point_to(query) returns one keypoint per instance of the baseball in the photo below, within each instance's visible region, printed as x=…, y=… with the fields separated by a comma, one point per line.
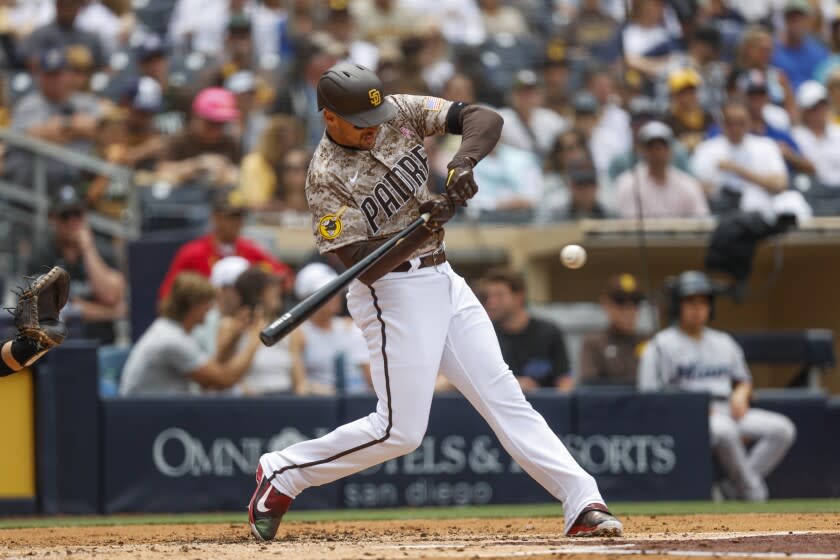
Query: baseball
x=573, y=256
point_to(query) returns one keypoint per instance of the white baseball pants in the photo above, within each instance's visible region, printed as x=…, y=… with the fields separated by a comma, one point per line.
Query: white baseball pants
x=417, y=323
x=772, y=435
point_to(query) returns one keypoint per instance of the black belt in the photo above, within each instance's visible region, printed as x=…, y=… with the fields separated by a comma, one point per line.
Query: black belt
x=436, y=258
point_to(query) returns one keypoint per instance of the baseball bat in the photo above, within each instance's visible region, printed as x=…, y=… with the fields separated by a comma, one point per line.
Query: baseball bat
x=287, y=322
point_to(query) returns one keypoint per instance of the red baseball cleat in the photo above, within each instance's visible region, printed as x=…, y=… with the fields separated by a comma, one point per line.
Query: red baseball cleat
x=596, y=521
x=267, y=508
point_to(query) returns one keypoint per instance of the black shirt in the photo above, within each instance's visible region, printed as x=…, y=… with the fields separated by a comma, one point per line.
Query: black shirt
x=538, y=351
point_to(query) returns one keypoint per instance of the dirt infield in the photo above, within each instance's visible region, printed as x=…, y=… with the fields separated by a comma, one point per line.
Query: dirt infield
x=794, y=536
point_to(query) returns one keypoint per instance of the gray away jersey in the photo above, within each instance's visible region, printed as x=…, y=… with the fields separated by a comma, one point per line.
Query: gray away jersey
x=710, y=365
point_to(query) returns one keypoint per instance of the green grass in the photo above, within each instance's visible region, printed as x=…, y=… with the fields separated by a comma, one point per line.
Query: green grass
x=535, y=510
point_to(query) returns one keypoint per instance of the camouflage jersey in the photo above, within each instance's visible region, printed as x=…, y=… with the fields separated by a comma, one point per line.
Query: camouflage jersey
x=359, y=195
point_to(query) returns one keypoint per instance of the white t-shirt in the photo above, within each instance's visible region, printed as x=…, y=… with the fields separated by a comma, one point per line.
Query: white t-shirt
x=270, y=370
x=341, y=347
x=755, y=153
x=545, y=126
x=823, y=151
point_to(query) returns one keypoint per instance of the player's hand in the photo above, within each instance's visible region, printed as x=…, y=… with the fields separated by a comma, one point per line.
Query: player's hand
x=739, y=405
x=441, y=210
x=460, y=183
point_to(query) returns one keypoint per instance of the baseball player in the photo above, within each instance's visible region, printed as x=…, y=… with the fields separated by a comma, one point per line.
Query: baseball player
x=690, y=356
x=367, y=181
x=37, y=321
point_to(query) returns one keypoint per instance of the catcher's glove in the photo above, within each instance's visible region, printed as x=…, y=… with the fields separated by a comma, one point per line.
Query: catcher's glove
x=38, y=307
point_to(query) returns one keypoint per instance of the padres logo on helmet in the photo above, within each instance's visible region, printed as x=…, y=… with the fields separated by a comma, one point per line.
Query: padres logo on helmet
x=375, y=97
x=329, y=226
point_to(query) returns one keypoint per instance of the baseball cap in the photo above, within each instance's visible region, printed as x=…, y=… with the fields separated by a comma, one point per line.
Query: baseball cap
x=526, y=79
x=798, y=6
x=708, y=34
x=229, y=201
x=312, y=278
x=52, y=59
x=152, y=46
x=145, y=95
x=752, y=82
x=624, y=287
x=585, y=103
x=556, y=53
x=239, y=23
x=241, y=82
x=225, y=272
x=216, y=105
x=354, y=93
x=66, y=199
x=683, y=78
x=641, y=107
x=655, y=130
x=810, y=94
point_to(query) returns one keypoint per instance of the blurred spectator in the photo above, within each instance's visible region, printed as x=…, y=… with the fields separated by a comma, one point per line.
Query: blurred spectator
x=152, y=57
x=199, y=25
x=263, y=172
x=224, y=240
x=650, y=38
x=690, y=356
x=833, y=85
x=769, y=120
x=662, y=190
x=642, y=111
x=704, y=57
x=223, y=276
x=63, y=33
x=604, y=144
x=798, y=54
x=275, y=369
x=299, y=97
x=612, y=356
x=557, y=76
x=613, y=118
x=755, y=53
x=510, y=179
x=382, y=21
x=166, y=360
x=719, y=15
x=818, y=138
x=335, y=353
x=270, y=21
x=55, y=113
x=112, y=21
x=238, y=53
x=205, y=151
x=583, y=190
x=253, y=119
x=80, y=67
x=739, y=169
x=569, y=148
x=97, y=287
x=533, y=348
x=686, y=116
x=339, y=25
x=528, y=124
x=595, y=32
x=460, y=20
x=499, y=18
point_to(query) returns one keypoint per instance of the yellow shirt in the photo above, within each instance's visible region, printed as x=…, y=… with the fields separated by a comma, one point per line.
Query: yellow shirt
x=257, y=181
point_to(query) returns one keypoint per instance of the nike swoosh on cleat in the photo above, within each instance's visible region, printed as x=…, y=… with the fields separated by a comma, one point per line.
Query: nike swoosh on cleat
x=261, y=503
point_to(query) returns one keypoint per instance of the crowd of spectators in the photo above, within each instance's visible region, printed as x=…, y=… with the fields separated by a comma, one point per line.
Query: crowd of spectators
x=221, y=93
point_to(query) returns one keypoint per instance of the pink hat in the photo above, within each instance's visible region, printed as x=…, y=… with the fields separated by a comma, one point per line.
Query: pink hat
x=216, y=105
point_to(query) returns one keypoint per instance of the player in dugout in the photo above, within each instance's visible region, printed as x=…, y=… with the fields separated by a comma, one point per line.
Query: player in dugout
x=36, y=314
x=690, y=356
x=368, y=181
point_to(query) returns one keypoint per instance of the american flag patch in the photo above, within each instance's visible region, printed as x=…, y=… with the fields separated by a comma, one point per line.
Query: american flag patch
x=433, y=103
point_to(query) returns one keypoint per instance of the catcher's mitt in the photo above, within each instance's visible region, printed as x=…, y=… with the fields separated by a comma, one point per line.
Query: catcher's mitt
x=38, y=307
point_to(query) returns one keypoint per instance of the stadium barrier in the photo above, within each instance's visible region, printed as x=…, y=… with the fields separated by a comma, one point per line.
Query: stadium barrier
x=200, y=453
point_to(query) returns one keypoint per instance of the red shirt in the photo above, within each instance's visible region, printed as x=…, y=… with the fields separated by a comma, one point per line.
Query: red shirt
x=199, y=255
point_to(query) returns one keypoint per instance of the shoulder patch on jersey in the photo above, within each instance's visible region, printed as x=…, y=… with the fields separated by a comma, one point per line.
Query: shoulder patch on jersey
x=433, y=103
x=330, y=226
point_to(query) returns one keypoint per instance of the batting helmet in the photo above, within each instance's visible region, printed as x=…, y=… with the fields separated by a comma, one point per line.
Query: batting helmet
x=354, y=93
x=690, y=283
